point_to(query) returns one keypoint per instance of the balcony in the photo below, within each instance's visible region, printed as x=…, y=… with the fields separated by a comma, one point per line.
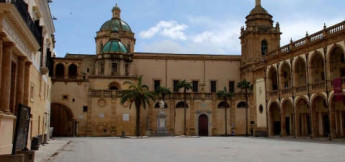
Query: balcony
x=22, y=8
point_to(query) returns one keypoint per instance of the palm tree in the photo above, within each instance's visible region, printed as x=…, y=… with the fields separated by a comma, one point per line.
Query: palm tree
x=244, y=85
x=186, y=86
x=225, y=96
x=162, y=92
x=140, y=95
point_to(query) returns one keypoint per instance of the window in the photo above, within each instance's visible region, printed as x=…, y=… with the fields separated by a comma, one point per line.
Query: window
x=60, y=70
x=85, y=108
x=126, y=69
x=156, y=84
x=72, y=71
x=65, y=97
x=114, y=86
x=181, y=104
x=128, y=48
x=261, y=109
x=87, y=70
x=175, y=85
x=114, y=69
x=213, y=86
x=264, y=47
x=32, y=93
x=242, y=105
x=195, y=86
x=101, y=68
x=342, y=72
x=232, y=86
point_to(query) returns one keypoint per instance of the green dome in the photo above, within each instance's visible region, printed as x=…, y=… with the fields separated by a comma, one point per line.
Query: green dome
x=114, y=46
x=115, y=25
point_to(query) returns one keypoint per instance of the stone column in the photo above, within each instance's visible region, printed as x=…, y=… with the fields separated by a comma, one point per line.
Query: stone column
x=21, y=80
x=6, y=77
x=27, y=83
x=1, y=52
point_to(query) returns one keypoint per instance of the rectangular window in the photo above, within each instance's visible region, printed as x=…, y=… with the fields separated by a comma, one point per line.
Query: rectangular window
x=175, y=85
x=232, y=86
x=213, y=86
x=32, y=93
x=343, y=72
x=156, y=84
x=195, y=86
x=85, y=108
x=101, y=69
x=114, y=69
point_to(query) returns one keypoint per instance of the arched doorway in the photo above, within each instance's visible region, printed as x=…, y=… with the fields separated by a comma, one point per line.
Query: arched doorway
x=275, y=121
x=302, y=118
x=62, y=120
x=203, y=125
x=338, y=116
x=320, y=118
x=287, y=118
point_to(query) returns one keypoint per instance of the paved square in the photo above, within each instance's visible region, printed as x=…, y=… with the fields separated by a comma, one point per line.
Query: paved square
x=207, y=149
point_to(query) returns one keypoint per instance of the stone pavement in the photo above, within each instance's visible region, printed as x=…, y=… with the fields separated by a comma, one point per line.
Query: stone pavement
x=204, y=149
x=48, y=151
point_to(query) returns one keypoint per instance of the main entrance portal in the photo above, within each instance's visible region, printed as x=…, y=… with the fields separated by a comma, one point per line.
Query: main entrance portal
x=203, y=125
x=62, y=120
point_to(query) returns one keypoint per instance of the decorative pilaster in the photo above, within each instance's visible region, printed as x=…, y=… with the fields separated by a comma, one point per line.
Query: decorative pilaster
x=27, y=83
x=6, y=77
x=20, y=80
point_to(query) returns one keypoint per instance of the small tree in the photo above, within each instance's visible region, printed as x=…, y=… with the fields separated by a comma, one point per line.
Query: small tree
x=186, y=86
x=162, y=92
x=225, y=96
x=140, y=95
x=245, y=86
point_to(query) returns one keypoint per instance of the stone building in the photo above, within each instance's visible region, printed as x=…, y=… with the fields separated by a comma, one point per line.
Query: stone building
x=26, y=48
x=284, y=101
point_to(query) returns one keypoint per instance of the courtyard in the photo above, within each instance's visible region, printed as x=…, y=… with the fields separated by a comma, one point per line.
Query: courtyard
x=195, y=149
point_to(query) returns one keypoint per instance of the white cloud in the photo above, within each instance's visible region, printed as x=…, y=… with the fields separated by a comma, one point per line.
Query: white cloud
x=170, y=29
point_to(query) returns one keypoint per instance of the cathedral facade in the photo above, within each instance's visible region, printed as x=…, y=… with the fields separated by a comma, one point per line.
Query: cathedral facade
x=292, y=92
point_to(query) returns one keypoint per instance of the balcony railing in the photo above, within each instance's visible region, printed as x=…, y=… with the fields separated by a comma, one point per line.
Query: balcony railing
x=22, y=8
x=273, y=93
x=318, y=85
x=327, y=32
x=301, y=89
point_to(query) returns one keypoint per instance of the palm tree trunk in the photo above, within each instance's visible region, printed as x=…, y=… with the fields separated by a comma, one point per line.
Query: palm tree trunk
x=137, y=122
x=185, y=112
x=247, y=106
x=226, y=119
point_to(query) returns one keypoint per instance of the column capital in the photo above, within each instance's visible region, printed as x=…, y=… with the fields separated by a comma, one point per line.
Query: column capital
x=9, y=44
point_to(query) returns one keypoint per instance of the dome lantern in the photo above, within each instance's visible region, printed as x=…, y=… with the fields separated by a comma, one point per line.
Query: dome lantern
x=116, y=12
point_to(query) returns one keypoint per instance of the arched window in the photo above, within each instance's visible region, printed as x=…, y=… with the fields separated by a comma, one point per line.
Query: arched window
x=242, y=105
x=114, y=86
x=261, y=109
x=223, y=105
x=264, y=47
x=72, y=71
x=157, y=105
x=60, y=70
x=181, y=104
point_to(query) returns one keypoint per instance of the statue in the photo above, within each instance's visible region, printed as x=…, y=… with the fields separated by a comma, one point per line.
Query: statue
x=161, y=120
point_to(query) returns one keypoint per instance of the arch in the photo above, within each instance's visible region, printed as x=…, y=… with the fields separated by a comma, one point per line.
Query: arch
x=287, y=118
x=275, y=119
x=242, y=104
x=320, y=117
x=203, y=125
x=62, y=120
x=182, y=104
x=272, y=79
x=316, y=67
x=60, y=70
x=72, y=71
x=285, y=75
x=303, y=124
x=264, y=47
x=338, y=116
x=114, y=86
x=223, y=105
x=300, y=72
x=336, y=62
x=157, y=105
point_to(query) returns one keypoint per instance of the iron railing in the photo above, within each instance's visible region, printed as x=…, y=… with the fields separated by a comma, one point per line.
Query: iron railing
x=22, y=8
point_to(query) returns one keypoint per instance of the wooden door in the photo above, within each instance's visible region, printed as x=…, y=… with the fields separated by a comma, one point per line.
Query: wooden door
x=203, y=125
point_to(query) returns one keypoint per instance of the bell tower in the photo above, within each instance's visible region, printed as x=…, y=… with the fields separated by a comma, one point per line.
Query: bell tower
x=259, y=36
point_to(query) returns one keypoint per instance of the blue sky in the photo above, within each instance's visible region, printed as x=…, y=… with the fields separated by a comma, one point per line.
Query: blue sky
x=186, y=26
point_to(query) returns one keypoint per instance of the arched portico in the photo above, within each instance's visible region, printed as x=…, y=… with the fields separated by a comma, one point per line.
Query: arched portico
x=274, y=119
x=320, y=117
x=302, y=118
